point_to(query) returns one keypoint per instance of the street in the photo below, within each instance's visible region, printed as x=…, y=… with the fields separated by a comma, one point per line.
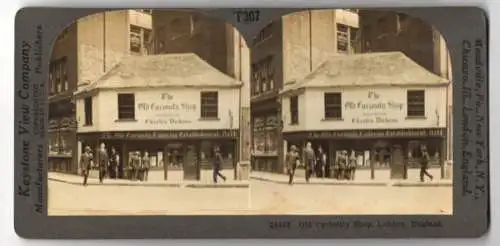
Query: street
x=261, y=198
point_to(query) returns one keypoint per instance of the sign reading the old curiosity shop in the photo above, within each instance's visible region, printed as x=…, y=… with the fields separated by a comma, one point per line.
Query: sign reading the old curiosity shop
x=167, y=110
x=374, y=109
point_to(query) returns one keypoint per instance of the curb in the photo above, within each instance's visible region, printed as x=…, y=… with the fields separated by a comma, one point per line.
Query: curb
x=422, y=184
x=180, y=185
x=375, y=183
x=317, y=183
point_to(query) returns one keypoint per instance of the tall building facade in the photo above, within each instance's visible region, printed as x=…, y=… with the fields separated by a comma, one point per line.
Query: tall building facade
x=284, y=51
x=193, y=32
x=215, y=41
x=83, y=52
x=385, y=31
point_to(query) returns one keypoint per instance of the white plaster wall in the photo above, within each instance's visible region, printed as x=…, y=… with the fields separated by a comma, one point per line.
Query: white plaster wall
x=106, y=113
x=286, y=115
x=80, y=115
x=313, y=111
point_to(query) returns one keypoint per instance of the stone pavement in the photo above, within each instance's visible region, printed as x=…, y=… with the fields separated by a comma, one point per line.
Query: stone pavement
x=77, y=180
x=363, y=178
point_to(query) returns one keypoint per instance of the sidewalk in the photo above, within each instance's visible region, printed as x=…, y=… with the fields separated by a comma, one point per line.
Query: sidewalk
x=363, y=178
x=77, y=180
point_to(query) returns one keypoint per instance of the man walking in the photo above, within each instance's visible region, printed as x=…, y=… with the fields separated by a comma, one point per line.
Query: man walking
x=310, y=159
x=424, y=164
x=217, y=166
x=321, y=163
x=85, y=163
x=292, y=159
x=135, y=164
x=145, y=166
x=103, y=162
x=113, y=164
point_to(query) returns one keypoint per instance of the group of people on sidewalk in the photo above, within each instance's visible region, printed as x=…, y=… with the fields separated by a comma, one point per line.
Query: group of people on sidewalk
x=109, y=165
x=344, y=166
x=316, y=164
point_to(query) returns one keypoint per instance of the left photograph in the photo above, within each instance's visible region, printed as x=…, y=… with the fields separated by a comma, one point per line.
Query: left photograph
x=142, y=104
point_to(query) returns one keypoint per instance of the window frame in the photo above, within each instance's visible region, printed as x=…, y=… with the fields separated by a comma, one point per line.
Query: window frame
x=209, y=111
x=88, y=111
x=122, y=116
x=410, y=112
x=336, y=114
x=294, y=110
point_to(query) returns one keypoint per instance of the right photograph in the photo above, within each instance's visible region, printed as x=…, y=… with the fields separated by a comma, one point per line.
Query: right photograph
x=351, y=114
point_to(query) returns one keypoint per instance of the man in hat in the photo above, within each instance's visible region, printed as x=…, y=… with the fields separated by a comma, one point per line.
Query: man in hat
x=292, y=159
x=113, y=164
x=85, y=163
x=424, y=164
x=145, y=165
x=310, y=160
x=217, y=165
x=103, y=162
x=136, y=166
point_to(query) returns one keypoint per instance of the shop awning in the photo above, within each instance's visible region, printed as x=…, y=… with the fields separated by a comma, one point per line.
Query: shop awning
x=367, y=69
x=166, y=70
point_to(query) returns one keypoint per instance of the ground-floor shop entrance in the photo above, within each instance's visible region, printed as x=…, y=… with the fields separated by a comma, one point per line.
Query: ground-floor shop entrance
x=176, y=154
x=397, y=150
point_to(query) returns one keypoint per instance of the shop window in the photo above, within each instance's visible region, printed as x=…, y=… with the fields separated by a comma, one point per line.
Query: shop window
x=294, y=110
x=227, y=150
x=126, y=106
x=175, y=155
x=259, y=137
x=209, y=104
x=61, y=143
x=342, y=38
x=88, y=110
x=333, y=105
x=416, y=103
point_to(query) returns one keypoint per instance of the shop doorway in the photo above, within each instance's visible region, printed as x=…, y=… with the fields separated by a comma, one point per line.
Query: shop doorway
x=397, y=165
x=191, y=163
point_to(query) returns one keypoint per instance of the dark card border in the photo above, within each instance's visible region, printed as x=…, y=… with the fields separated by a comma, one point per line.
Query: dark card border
x=458, y=25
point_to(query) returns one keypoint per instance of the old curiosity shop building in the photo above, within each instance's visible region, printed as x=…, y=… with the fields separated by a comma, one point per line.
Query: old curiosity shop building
x=176, y=107
x=382, y=106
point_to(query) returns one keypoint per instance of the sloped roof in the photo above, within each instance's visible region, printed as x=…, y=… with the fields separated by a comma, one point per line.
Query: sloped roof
x=175, y=70
x=367, y=69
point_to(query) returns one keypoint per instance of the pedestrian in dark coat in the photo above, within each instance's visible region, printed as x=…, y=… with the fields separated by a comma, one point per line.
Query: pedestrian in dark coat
x=86, y=163
x=135, y=166
x=145, y=166
x=342, y=165
x=424, y=164
x=321, y=163
x=310, y=161
x=292, y=159
x=113, y=164
x=103, y=162
x=217, y=164
x=352, y=165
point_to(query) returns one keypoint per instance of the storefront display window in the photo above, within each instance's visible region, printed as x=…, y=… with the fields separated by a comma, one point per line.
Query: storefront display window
x=175, y=155
x=265, y=135
x=207, y=153
x=60, y=144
